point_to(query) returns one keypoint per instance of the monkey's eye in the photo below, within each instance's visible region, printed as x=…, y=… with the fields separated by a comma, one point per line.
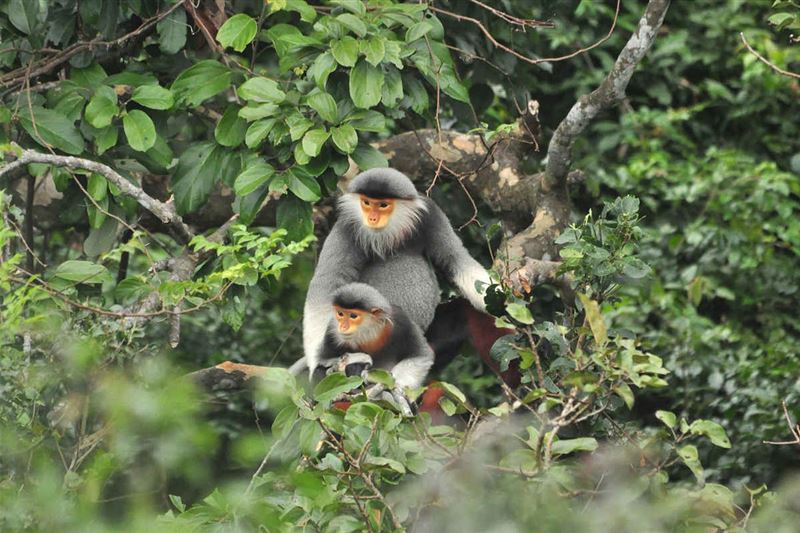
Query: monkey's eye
x=353, y=316
x=366, y=202
x=384, y=205
x=340, y=314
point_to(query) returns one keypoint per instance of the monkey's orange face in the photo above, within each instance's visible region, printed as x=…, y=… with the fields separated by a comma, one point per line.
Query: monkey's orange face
x=376, y=212
x=349, y=320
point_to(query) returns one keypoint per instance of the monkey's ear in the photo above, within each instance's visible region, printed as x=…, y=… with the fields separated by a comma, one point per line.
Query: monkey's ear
x=377, y=312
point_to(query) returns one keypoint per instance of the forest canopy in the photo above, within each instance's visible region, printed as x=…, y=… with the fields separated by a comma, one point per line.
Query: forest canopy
x=629, y=173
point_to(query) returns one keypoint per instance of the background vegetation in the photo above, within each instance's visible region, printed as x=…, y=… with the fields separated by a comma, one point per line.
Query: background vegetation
x=649, y=390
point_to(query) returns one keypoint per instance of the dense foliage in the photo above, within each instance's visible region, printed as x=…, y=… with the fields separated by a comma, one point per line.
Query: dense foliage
x=649, y=384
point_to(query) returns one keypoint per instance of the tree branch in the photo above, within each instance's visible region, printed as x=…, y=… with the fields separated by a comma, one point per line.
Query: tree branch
x=610, y=91
x=164, y=211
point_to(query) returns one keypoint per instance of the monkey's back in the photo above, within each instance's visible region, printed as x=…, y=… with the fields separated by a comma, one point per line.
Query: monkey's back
x=408, y=281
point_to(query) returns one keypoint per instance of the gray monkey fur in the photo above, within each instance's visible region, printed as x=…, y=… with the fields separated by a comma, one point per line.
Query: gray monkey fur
x=406, y=353
x=398, y=260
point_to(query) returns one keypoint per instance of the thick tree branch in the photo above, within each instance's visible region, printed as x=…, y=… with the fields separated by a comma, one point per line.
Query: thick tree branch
x=164, y=211
x=610, y=91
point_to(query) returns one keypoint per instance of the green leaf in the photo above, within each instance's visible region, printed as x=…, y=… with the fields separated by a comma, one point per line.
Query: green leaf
x=258, y=111
x=253, y=177
x=172, y=32
x=335, y=384
x=237, y=32
x=51, y=129
x=262, y=90
x=366, y=85
x=324, y=104
x=374, y=50
x=313, y=141
x=102, y=239
x=345, y=138
x=294, y=215
x=418, y=31
x=667, y=417
x=595, y=319
x=102, y=108
x=689, y=456
x=82, y=272
x=153, y=96
x=201, y=81
x=231, y=129
x=367, y=157
x=139, y=130
x=565, y=446
x=392, y=87
x=624, y=391
x=353, y=23
x=258, y=131
x=353, y=6
x=368, y=120
x=249, y=205
x=712, y=430
x=97, y=187
x=379, y=375
x=304, y=186
x=321, y=68
x=345, y=51
x=520, y=313
x=23, y=14
x=199, y=168
x=105, y=139
x=298, y=126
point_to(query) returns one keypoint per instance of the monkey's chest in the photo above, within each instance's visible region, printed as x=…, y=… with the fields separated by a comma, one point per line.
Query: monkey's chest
x=408, y=281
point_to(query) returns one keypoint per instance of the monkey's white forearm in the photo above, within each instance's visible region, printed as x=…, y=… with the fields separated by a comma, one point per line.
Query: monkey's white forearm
x=411, y=372
x=465, y=279
x=315, y=324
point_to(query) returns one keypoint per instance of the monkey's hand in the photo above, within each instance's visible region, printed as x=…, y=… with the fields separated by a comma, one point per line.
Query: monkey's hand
x=353, y=364
x=394, y=395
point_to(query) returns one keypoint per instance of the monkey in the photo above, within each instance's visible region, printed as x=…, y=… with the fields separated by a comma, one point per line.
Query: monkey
x=390, y=237
x=363, y=322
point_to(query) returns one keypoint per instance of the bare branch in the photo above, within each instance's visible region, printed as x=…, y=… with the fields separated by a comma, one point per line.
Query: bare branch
x=164, y=211
x=766, y=61
x=610, y=91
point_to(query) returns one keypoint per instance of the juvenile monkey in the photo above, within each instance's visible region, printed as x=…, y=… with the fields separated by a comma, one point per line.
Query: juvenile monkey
x=364, y=322
x=390, y=237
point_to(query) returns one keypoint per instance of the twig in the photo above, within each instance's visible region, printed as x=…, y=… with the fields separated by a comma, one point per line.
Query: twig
x=46, y=65
x=530, y=60
x=767, y=62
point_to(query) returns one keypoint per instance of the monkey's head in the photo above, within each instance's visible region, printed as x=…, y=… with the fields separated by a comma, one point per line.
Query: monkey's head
x=385, y=208
x=361, y=313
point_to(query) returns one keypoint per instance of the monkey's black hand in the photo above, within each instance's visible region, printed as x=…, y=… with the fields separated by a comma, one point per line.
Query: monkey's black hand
x=354, y=364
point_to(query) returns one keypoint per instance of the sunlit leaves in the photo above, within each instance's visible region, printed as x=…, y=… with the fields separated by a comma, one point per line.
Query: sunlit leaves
x=345, y=51
x=253, y=177
x=153, y=96
x=237, y=32
x=345, y=138
x=261, y=90
x=324, y=104
x=366, y=85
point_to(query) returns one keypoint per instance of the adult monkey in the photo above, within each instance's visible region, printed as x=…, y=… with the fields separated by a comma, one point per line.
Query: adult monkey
x=389, y=236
